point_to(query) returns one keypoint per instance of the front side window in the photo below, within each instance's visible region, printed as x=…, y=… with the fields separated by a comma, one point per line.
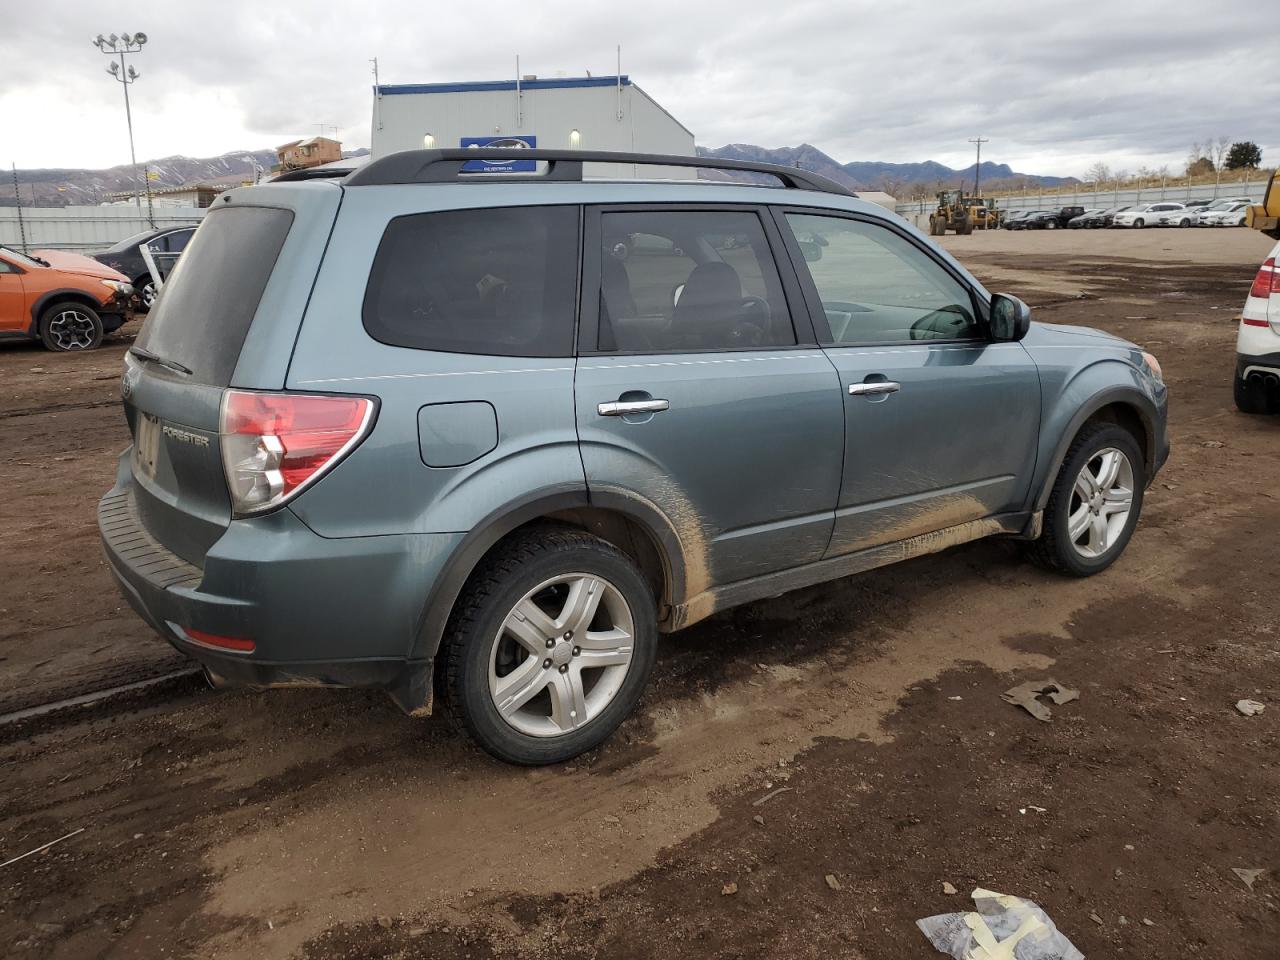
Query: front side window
x=875, y=286
x=689, y=280
x=490, y=281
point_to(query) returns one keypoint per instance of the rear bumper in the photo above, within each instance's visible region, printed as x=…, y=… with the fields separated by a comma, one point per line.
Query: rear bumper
x=1262, y=364
x=321, y=612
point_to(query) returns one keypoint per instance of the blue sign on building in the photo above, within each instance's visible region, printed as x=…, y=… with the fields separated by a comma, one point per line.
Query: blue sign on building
x=501, y=166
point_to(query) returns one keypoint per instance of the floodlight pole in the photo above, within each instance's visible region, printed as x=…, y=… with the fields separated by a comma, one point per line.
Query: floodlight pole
x=119, y=46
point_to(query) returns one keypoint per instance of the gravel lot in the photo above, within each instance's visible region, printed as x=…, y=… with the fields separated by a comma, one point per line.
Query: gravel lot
x=324, y=824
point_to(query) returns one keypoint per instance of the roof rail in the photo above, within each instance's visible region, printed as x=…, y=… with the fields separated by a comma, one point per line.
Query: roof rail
x=324, y=172
x=446, y=166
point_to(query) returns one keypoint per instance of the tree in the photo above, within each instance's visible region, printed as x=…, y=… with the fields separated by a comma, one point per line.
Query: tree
x=1244, y=153
x=1199, y=167
x=1218, y=151
x=1098, y=173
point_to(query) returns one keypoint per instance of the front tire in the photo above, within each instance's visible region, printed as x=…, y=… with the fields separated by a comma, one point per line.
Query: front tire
x=68, y=326
x=147, y=292
x=1139, y=223
x=549, y=647
x=1095, y=503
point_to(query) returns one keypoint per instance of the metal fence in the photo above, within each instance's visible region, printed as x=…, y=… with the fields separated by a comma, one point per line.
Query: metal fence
x=84, y=228
x=917, y=211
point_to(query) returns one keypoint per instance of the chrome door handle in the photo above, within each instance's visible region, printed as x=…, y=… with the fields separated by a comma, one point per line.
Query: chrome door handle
x=871, y=389
x=620, y=408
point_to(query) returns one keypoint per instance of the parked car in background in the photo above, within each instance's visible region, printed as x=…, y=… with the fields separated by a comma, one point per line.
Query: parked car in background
x=1257, y=380
x=64, y=300
x=1218, y=206
x=1144, y=215
x=1080, y=221
x=1051, y=219
x=1186, y=217
x=126, y=257
x=1026, y=220
x=1101, y=218
x=1013, y=218
x=479, y=447
x=1232, y=216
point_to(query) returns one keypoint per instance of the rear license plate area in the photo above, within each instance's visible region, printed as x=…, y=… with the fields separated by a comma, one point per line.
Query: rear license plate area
x=146, y=446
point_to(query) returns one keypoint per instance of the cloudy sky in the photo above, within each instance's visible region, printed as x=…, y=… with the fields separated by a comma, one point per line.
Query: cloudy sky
x=1055, y=86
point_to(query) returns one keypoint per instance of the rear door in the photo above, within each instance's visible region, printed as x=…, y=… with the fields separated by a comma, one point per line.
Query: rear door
x=940, y=423
x=700, y=388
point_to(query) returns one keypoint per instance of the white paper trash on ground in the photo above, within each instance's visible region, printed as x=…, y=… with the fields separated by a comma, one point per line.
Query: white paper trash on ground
x=1000, y=927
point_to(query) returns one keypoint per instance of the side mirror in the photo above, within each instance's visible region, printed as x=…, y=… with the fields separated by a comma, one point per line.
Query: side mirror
x=810, y=250
x=1010, y=318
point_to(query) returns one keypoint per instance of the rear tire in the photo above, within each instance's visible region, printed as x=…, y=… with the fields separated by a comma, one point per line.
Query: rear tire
x=555, y=626
x=1252, y=398
x=1084, y=530
x=1051, y=225
x=69, y=326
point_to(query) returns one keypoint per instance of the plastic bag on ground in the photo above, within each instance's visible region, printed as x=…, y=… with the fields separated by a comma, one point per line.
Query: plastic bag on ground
x=1000, y=927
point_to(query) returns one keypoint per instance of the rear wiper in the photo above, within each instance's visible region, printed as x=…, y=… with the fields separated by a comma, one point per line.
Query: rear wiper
x=171, y=364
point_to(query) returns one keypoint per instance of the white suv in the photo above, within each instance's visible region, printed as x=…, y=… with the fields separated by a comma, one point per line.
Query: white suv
x=1145, y=215
x=1257, y=381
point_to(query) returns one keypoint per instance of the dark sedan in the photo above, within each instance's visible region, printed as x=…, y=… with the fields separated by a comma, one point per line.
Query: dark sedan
x=1101, y=218
x=126, y=256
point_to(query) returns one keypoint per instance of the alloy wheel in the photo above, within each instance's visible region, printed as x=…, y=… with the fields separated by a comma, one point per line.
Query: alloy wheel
x=1101, y=501
x=72, y=330
x=148, y=293
x=561, y=655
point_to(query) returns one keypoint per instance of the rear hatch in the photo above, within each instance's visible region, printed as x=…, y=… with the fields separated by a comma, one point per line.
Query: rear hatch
x=227, y=316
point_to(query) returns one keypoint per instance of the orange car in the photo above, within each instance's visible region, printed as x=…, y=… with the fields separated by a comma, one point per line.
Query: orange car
x=64, y=300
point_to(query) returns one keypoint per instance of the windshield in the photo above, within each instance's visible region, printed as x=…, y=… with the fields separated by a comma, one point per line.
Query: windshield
x=22, y=259
x=204, y=311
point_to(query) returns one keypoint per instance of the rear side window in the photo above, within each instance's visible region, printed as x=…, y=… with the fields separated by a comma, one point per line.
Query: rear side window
x=209, y=300
x=500, y=282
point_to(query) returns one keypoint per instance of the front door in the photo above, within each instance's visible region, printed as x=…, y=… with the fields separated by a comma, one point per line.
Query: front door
x=698, y=391
x=940, y=423
x=13, y=312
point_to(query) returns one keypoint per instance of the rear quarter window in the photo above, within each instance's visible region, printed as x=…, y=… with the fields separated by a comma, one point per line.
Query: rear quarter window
x=499, y=281
x=208, y=302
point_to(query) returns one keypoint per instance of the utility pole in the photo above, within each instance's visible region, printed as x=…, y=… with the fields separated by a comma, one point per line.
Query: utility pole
x=22, y=230
x=977, y=169
x=119, y=46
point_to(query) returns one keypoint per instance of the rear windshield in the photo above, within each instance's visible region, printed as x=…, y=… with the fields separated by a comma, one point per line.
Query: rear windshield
x=209, y=300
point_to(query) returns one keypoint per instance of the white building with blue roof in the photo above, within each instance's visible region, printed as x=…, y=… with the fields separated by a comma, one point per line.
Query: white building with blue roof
x=584, y=113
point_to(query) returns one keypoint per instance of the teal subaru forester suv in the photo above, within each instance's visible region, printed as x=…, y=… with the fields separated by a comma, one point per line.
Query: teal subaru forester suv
x=479, y=438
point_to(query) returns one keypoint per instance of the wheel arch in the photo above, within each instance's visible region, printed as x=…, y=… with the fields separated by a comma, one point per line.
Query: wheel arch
x=50, y=297
x=633, y=525
x=1124, y=406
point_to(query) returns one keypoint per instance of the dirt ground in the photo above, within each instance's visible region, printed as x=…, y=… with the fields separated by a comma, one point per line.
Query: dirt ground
x=853, y=730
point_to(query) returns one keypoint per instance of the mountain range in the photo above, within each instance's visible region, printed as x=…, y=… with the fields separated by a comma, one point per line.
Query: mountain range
x=875, y=175
x=62, y=186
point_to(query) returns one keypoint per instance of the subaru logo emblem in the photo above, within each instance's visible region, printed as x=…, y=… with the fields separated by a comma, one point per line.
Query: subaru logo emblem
x=129, y=381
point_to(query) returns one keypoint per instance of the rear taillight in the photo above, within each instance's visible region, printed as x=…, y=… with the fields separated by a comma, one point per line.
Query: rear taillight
x=1267, y=282
x=275, y=444
x=238, y=644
